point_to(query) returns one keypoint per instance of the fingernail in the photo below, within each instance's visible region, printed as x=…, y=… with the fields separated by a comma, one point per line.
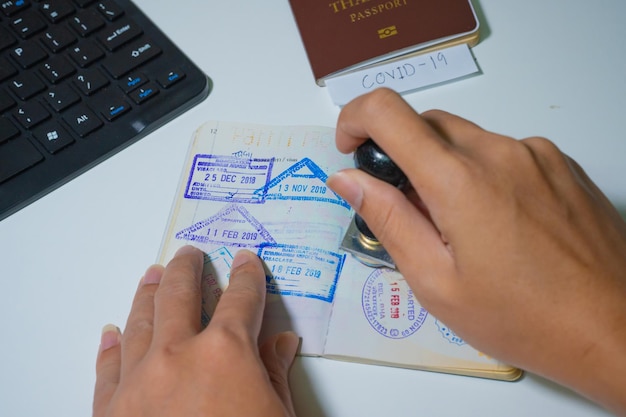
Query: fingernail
x=185, y=250
x=349, y=189
x=153, y=275
x=287, y=346
x=110, y=337
x=242, y=257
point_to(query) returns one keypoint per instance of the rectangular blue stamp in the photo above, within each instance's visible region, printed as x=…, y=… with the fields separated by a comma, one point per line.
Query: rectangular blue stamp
x=302, y=271
x=229, y=178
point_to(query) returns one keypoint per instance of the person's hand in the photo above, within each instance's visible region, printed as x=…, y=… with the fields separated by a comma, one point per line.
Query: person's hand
x=506, y=241
x=164, y=364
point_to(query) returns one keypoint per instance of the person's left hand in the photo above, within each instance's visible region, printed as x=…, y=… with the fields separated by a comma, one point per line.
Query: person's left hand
x=164, y=364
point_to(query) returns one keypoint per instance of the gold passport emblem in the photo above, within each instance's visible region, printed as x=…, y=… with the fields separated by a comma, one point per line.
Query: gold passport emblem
x=387, y=32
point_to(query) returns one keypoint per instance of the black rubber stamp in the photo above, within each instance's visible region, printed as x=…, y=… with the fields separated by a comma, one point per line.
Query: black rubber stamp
x=359, y=239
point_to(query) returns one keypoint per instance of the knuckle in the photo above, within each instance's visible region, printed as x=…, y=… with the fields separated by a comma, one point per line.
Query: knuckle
x=229, y=335
x=251, y=273
x=185, y=266
x=145, y=295
x=541, y=145
x=278, y=378
x=377, y=100
x=108, y=362
x=179, y=289
x=544, y=152
x=435, y=114
x=244, y=292
x=138, y=326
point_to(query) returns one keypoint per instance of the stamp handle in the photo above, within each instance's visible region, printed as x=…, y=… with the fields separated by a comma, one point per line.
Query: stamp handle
x=370, y=158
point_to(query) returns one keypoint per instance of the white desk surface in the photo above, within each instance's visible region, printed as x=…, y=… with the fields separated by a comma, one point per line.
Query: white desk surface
x=71, y=261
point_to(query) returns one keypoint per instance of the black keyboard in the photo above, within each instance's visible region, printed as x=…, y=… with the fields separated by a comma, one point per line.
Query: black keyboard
x=79, y=81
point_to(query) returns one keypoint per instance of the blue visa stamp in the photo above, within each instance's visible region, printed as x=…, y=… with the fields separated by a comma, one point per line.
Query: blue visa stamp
x=228, y=178
x=449, y=334
x=390, y=306
x=303, y=181
x=301, y=271
x=234, y=225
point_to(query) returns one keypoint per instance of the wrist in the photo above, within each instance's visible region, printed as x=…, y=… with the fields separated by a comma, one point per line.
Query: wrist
x=595, y=364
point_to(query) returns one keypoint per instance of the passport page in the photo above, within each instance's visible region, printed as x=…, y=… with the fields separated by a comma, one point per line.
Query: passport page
x=377, y=319
x=263, y=188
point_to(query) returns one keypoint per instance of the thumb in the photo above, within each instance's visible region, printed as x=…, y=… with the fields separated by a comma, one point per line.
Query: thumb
x=402, y=226
x=397, y=222
x=277, y=354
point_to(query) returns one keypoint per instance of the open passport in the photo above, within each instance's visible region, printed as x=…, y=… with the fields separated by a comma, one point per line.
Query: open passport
x=263, y=188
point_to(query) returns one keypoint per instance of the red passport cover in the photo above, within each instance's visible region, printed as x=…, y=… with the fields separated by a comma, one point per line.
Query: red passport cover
x=339, y=35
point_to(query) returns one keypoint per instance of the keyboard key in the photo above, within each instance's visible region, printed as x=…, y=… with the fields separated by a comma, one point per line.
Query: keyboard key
x=86, y=22
x=132, y=81
x=61, y=97
x=57, y=69
x=27, y=24
x=82, y=120
x=85, y=54
x=30, y=114
x=28, y=54
x=56, y=10
x=10, y=7
x=169, y=78
x=111, y=105
x=16, y=156
x=117, y=35
x=52, y=136
x=109, y=9
x=144, y=93
x=26, y=85
x=58, y=38
x=7, y=129
x=131, y=57
x=90, y=81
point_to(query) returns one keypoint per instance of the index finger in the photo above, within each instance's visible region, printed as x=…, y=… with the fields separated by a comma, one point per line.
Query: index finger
x=389, y=120
x=240, y=308
x=420, y=150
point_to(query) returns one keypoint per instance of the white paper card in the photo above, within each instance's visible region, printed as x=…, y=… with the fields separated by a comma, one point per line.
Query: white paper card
x=417, y=71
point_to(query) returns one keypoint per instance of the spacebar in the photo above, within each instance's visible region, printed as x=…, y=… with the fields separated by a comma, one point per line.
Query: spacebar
x=16, y=156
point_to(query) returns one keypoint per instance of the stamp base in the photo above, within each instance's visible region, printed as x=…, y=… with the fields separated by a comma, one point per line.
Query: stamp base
x=374, y=256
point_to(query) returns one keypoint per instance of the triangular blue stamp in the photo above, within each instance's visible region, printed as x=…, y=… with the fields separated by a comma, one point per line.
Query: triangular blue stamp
x=231, y=226
x=303, y=181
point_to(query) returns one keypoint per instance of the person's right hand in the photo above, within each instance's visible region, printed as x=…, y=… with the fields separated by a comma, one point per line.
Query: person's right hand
x=506, y=241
